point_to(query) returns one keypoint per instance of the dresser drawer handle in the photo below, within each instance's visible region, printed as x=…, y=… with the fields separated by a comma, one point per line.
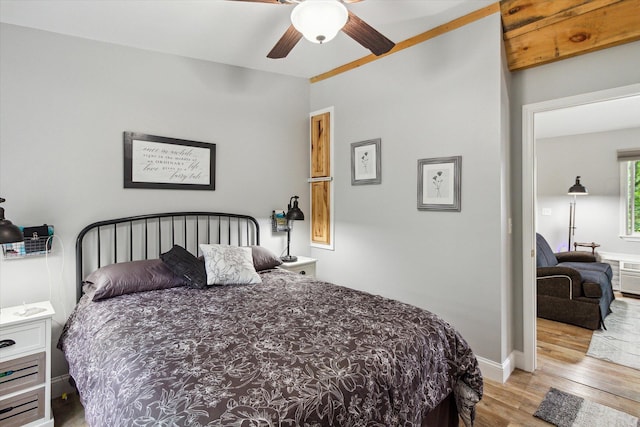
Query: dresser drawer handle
x=6, y=343
x=11, y=408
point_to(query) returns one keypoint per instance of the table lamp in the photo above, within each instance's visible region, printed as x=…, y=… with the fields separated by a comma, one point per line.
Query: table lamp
x=9, y=233
x=293, y=214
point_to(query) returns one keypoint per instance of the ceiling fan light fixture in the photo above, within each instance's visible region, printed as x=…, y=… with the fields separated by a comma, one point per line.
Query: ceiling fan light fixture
x=319, y=20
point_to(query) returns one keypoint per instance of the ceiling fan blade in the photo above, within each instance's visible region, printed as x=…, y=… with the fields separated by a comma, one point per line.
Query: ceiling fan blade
x=288, y=40
x=351, y=1
x=367, y=36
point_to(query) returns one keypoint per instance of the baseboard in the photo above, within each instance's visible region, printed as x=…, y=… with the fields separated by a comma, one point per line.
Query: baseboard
x=498, y=372
x=60, y=385
x=518, y=357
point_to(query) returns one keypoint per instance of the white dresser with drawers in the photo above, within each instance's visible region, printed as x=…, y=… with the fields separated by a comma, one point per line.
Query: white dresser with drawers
x=25, y=365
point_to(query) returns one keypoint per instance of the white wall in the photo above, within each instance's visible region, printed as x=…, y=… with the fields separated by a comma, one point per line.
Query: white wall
x=600, y=70
x=440, y=98
x=65, y=103
x=594, y=158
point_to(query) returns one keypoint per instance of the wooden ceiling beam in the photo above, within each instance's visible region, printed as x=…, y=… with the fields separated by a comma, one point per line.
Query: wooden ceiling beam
x=538, y=32
x=520, y=20
x=519, y=13
x=545, y=31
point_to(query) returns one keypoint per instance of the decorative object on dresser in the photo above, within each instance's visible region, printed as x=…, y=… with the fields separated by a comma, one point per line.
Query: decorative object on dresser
x=366, y=163
x=168, y=163
x=439, y=184
x=9, y=233
x=25, y=365
x=304, y=265
x=575, y=190
x=293, y=214
x=572, y=287
x=37, y=241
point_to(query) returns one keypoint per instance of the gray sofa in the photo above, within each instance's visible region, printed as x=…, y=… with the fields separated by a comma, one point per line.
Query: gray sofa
x=572, y=287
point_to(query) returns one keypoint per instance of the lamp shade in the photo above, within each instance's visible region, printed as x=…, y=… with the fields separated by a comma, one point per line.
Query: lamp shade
x=9, y=233
x=578, y=189
x=294, y=213
x=319, y=20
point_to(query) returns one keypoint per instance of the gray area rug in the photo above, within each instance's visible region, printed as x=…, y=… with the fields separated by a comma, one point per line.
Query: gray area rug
x=620, y=342
x=566, y=410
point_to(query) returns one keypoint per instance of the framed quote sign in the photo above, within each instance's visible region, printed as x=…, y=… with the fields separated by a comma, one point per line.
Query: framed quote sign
x=168, y=163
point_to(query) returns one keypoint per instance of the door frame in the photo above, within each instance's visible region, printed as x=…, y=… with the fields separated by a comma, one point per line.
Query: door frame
x=529, y=202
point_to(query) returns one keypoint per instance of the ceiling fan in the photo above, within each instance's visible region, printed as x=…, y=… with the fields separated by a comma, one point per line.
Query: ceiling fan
x=320, y=20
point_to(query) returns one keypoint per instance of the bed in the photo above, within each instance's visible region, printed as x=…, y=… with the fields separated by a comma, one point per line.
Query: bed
x=288, y=350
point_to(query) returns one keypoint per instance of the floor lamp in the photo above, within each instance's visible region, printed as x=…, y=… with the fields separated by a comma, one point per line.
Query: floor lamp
x=576, y=189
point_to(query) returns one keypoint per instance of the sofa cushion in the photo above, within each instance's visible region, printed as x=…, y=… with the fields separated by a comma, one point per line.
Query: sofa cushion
x=559, y=281
x=591, y=290
x=575, y=256
x=600, y=267
x=544, y=255
x=600, y=273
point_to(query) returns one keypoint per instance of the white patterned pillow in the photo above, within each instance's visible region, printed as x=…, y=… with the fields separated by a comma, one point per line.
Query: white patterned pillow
x=229, y=265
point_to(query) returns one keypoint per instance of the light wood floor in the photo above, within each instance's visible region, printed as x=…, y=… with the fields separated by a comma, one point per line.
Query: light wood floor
x=562, y=363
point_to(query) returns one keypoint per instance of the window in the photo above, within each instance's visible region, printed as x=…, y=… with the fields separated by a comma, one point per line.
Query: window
x=632, y=197
x=630, y=192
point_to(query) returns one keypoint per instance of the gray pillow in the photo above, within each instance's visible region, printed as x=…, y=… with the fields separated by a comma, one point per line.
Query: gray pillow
x=130, y=277
x=229, y=265
x=263, y=258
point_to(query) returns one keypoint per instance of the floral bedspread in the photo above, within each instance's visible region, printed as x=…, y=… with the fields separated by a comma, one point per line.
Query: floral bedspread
x=292, y=351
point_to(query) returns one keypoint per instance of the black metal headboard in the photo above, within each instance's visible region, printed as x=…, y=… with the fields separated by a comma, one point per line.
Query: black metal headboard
x=148, y=236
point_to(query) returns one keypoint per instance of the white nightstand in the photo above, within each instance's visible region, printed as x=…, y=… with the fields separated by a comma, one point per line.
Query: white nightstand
x=25, y=366
x=303, y=265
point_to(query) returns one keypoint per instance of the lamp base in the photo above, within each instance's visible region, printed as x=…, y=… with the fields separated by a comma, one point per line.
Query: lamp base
x=289, y=258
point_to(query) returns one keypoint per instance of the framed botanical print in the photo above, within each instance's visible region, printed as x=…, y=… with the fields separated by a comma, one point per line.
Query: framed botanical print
x=365, y=162
x=439, y=184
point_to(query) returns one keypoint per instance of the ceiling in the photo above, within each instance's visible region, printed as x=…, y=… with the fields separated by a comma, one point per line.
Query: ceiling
x=603, y=116
x=241, y=33
x=229, y=32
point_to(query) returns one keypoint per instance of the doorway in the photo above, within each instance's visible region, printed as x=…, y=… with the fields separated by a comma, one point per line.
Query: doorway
x=529, y=135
